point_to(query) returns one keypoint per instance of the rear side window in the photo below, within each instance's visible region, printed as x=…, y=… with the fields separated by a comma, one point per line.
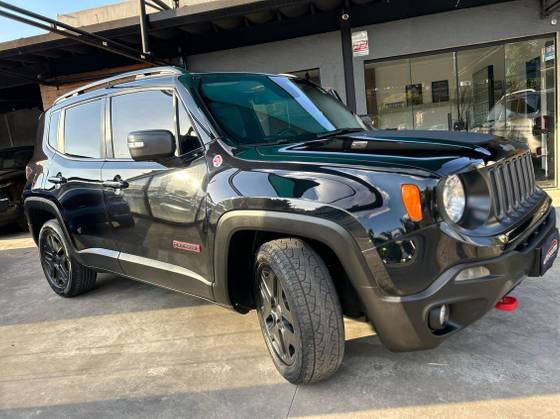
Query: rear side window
x=152, y=109
x=53, y=130
x=83, y=132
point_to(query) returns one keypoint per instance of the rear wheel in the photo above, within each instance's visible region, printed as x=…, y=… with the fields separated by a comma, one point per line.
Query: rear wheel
x=299, y=311
x=66, y=276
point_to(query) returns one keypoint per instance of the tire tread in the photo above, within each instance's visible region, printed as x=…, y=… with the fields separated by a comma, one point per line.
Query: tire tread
x=319, y=311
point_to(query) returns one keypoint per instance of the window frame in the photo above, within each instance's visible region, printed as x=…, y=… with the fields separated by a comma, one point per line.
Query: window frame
x=176, y=100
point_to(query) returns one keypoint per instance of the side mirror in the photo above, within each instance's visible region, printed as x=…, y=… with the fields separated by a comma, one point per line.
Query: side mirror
x=151, y=145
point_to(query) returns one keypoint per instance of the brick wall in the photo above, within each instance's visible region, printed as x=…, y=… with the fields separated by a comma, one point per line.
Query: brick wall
x=61, y=85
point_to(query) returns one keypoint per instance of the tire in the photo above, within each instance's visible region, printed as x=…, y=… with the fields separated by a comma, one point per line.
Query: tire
x=66, y=276
x=299, y=311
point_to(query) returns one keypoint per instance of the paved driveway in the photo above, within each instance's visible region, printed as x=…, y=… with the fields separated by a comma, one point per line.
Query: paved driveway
x=128, y=349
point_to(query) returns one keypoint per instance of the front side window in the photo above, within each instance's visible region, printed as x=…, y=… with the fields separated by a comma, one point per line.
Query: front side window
x=83, y=132
x=257, y=109
x=148, y=110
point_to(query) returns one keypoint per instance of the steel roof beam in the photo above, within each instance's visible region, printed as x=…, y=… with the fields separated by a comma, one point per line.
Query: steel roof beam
x=50, y=25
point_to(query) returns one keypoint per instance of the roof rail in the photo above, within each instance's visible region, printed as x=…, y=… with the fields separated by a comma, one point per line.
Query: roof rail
x=111, y=81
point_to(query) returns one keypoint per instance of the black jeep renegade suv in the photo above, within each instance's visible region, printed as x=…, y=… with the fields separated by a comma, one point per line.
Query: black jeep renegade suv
x=264, y=192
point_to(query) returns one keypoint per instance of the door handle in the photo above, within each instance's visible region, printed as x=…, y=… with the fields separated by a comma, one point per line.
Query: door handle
x=115, y=184
x=57, y=180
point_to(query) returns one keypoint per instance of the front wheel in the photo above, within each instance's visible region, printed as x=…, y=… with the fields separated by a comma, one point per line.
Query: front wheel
x=299, y=311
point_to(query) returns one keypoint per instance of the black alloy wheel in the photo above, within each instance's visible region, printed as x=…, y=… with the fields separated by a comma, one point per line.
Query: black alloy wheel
x=65, y=274
x=55, y=261
x=298, y=310
x=276, y=315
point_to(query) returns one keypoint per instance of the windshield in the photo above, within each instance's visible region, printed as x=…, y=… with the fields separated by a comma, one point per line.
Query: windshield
x=254, y=109
x=15, y=159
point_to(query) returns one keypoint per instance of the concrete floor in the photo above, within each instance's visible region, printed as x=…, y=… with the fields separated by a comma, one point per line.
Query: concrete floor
x=128, y=349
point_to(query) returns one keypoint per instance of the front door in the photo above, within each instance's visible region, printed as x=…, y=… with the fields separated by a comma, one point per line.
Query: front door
x=158, y=210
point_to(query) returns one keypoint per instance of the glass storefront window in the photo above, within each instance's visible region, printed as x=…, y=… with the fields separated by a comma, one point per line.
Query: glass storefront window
x=481, y=75
x=388, y=103
x=507, y=90
x=530, y=101
x=434, y=78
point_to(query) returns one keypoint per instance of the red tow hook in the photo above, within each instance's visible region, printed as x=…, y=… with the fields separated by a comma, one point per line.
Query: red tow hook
x=508, y=303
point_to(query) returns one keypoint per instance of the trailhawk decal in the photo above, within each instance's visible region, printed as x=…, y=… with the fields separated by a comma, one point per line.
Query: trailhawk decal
x=186, y=247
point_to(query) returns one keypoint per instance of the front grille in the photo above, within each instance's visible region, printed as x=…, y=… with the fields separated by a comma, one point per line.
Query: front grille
x=513, y=185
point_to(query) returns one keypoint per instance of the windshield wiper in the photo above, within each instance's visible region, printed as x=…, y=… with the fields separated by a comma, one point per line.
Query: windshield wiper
x=340, y=131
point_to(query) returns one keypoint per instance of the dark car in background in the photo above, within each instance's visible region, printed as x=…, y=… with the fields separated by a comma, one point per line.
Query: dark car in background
x=12, y=182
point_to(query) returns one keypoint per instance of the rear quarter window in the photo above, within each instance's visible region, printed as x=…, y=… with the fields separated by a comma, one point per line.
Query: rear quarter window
x=53, y=130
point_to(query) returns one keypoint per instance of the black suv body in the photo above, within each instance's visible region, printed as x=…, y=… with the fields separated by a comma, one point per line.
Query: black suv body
x=263, y=191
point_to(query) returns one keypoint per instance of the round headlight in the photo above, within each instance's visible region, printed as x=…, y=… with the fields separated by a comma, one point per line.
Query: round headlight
x=454, y=200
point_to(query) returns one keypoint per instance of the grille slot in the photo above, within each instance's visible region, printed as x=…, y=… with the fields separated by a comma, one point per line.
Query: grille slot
x=513, y=184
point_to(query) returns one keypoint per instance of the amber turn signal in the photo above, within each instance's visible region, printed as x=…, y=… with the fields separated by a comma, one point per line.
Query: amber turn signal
x=412, y=201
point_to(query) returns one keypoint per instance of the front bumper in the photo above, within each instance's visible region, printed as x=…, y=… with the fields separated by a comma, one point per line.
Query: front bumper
x=402, y=322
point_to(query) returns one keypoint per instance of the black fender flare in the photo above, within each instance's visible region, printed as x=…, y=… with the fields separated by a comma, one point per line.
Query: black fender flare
x=328, y=232
x=39, y=203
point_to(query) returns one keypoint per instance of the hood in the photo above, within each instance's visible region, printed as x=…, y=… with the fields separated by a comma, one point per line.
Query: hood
x=439, y=152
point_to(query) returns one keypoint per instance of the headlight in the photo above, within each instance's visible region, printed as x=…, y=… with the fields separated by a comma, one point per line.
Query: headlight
x=454, y=200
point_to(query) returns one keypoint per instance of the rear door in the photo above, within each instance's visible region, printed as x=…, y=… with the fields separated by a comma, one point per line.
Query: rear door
x=76, y=133
x=158, y=213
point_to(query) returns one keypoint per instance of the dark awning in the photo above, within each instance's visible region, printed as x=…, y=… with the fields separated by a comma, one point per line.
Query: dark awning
x=212, y=26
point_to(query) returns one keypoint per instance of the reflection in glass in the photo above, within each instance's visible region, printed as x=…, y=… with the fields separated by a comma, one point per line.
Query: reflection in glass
x=140, y=111
x=82, y=130
x=530, y=101
x=386, y=94
x=506, y=90
x=481, y=76
x=434, y=78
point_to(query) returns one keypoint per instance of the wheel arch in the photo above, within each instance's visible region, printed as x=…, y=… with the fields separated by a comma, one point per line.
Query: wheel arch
x=236, y=228
x=38, y=211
